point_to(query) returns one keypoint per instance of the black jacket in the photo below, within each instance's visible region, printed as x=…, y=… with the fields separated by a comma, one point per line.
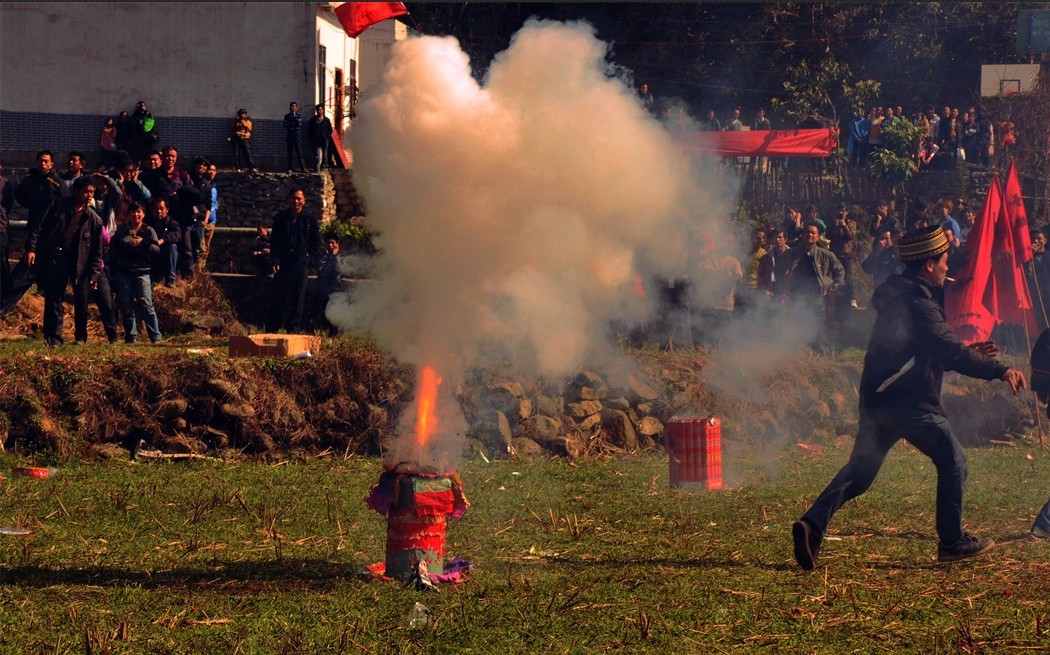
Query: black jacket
x=319, y=131
x=47, y=237
x=37, y=192
x=911, y=347
x=294, y=240
x=126, y=258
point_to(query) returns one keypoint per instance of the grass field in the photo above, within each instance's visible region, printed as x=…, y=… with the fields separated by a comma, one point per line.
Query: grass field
x=586, y=557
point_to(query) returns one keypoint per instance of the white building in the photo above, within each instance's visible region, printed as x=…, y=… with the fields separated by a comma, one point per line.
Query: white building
x=67, y=66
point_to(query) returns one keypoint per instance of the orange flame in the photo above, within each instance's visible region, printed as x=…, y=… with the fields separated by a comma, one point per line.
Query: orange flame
x=639, y=288
x=425, y=404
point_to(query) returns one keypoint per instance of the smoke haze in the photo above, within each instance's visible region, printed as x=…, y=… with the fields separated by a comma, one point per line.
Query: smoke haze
x=514, y=215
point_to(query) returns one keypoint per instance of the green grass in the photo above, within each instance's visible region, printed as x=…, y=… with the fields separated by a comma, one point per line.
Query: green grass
x=596, y=556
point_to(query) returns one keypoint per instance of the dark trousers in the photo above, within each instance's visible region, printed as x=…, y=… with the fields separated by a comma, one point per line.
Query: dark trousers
x=189, y=249
x=291, y=143
x=16, y=284
x=879, y=431
x=102, y=296
x=1043, y=520
x=55, y=276
x=289, y=297
x=241, y=150
x=5, y=266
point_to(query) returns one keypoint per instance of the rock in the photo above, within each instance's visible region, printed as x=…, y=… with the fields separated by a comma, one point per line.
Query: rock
x=493, y=430
x=544, y=427
x=549, y=406
x=584, y=408
x=110, y=451
x=527, y=447
x=209, y=324
x=640, y=390
x=587, y=385
x=217, y=438
x=650, y=426
x=221, y=388
x=376, y=415
x=562, y=446
x=512, y=388
x=183, y=444
x=620, y=403
x=590, y=422
x=173, y=408
x=646, y=407
x=263, y=443
x=237, y=410
x=506, y=398
x=524, y=408
x=621, y=432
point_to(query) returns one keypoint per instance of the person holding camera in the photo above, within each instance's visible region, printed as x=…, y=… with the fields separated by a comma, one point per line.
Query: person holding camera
x=843, y=237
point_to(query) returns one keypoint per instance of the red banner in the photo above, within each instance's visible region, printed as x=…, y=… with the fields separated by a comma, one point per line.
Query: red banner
x=356, y=17
x=971, y=302
x=1015, y=250
x=762, y=143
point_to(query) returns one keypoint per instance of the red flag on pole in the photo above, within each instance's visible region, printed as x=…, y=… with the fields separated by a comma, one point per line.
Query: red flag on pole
x=1013, y=249
x=971, y=303
x=356, y=17
x=1015, y=211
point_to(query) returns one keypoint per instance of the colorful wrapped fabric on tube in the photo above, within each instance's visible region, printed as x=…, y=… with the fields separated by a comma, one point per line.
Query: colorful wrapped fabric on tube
x=694, y=449
x=417, y=508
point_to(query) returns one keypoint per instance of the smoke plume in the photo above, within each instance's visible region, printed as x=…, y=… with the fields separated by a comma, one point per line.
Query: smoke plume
x=517, y=216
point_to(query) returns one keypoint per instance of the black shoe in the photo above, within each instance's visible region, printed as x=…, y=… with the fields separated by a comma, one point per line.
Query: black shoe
x=807, y=544
x=968, y=546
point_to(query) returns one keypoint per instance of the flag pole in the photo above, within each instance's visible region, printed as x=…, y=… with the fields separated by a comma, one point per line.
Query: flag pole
x=1035, y=399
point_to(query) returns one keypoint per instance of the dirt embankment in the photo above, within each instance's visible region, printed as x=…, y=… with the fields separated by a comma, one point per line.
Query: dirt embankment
x=188, y=396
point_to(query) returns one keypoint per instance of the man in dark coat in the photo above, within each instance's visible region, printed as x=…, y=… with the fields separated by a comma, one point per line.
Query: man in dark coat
x=295, y=243
x=911, y=346
x=319, y=131
x=1041, y=387
x=66, y=246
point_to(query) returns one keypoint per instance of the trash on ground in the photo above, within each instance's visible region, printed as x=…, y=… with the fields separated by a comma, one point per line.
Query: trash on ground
x=418, y=616
x=35, y=472
x=16, y=532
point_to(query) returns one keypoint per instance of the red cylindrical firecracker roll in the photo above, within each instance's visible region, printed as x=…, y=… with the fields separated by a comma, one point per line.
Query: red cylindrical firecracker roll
x=713, y=453
x=694, y=449
x=675, y=428
x=697, y=460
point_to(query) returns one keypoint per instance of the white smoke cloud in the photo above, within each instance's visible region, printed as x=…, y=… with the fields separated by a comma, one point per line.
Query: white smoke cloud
x=514, y=215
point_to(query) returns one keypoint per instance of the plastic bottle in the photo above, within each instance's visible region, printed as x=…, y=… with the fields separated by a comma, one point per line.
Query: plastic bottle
x=418, y=616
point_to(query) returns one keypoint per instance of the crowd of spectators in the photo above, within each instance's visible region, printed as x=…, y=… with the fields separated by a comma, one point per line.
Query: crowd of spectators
x=948, y=135
x=141, y=220
x=804, y=266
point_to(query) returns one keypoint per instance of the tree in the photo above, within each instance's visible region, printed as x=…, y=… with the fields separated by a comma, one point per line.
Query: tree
x=894, y=161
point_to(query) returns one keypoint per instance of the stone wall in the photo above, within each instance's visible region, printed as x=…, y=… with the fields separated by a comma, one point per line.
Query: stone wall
x=247, y=199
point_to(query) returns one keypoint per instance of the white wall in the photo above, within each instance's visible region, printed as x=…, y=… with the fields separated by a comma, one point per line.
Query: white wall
x=203, y=59
x=342, y=51
x=376, y=48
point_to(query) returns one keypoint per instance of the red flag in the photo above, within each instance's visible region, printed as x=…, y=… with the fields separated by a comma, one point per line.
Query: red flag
x=1013, y=249
x=356, y=17
x=971, y=303
x=762, y=143
x=1018, y=216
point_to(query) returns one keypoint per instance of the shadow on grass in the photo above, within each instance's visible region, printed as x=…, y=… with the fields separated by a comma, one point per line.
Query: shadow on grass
x=241, y=576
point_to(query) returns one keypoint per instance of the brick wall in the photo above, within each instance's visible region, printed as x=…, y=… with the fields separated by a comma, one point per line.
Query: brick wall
x=22, y=134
